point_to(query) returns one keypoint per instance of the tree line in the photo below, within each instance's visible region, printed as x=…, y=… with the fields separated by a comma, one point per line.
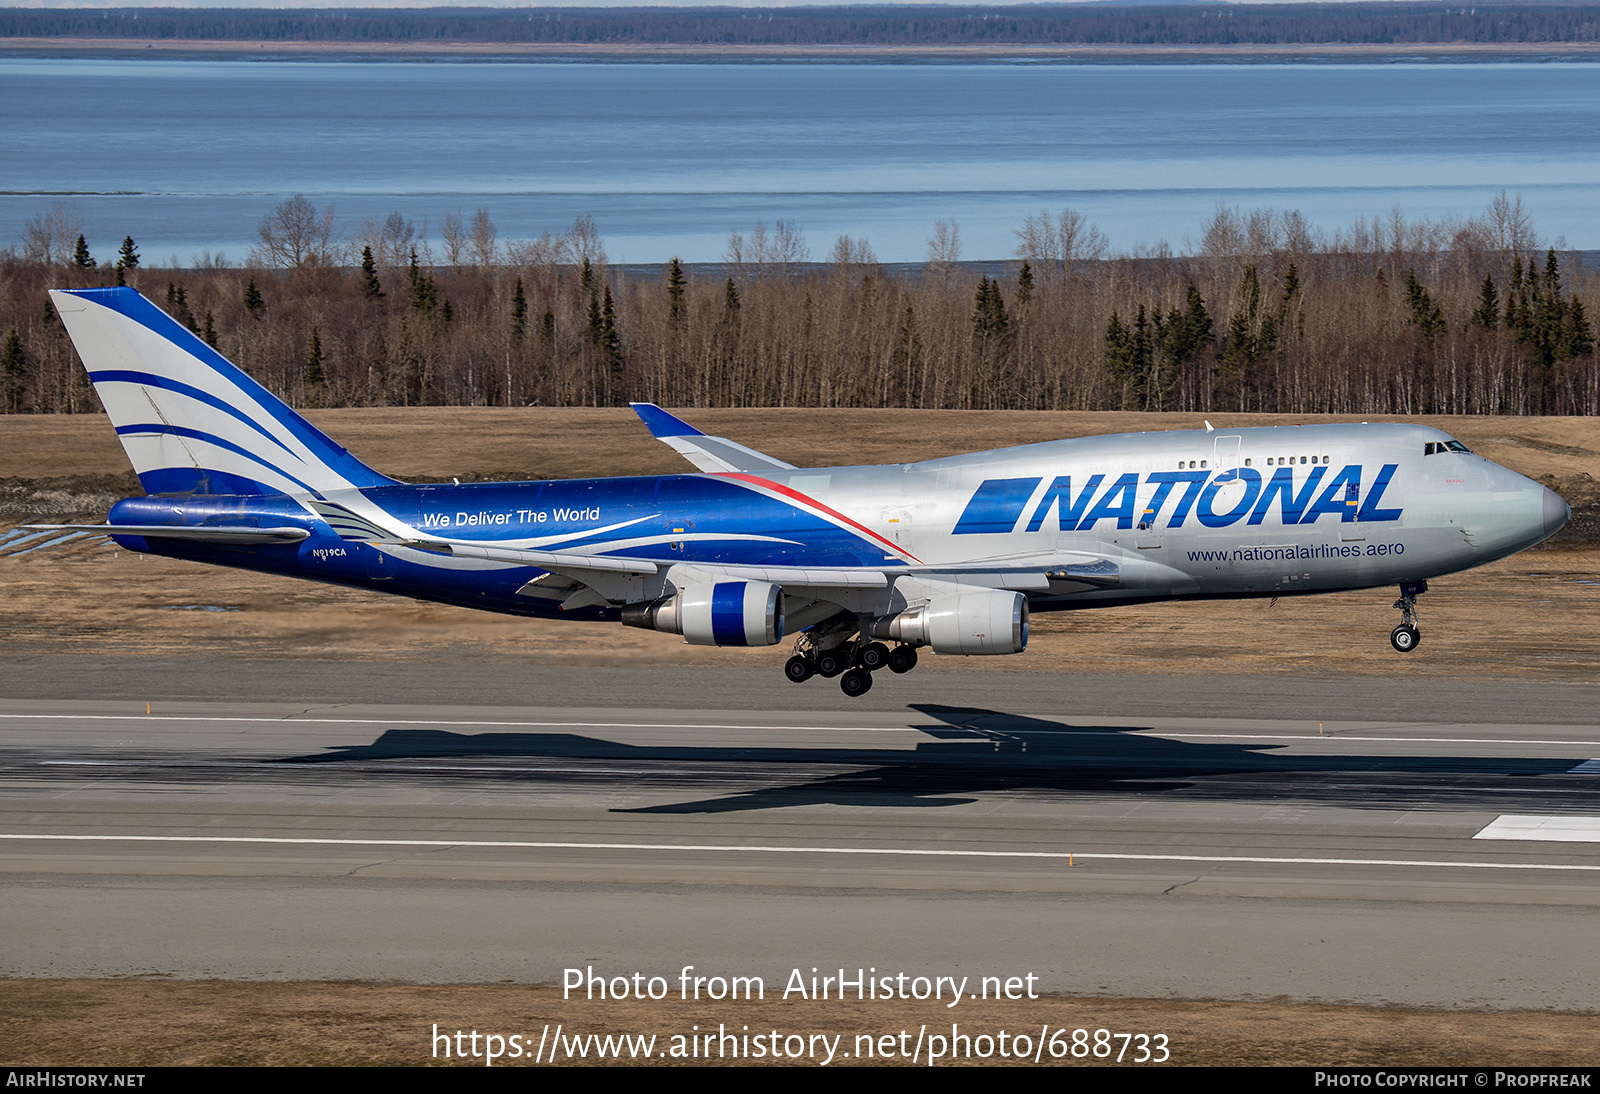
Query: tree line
x=1390, y=23
x=1388, y=316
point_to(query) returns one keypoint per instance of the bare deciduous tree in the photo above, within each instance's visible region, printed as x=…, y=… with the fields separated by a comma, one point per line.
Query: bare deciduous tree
x=584, y=242
x=483, y=238
x=50, y=236
x=454, y=237
x=849, y=254
x=1054, y=244
x=944, y=248
x=296, y=235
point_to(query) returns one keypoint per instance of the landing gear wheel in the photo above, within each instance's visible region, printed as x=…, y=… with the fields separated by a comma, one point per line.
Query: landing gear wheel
x=873, y=656
x=831, y=663
x=902, y=659
x=856, y=682
x=798, y=669
x=1405, y=638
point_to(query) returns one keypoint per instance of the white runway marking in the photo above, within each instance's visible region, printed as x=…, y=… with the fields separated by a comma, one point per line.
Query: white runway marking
x=1174, y=734
x=1551, y=829
x=700, y=848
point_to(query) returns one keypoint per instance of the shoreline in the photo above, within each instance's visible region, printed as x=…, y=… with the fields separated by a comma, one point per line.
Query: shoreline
x=556, y=53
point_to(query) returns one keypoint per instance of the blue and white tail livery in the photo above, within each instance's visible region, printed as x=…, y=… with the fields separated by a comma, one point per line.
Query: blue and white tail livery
x=864, y=565
x=189, y=420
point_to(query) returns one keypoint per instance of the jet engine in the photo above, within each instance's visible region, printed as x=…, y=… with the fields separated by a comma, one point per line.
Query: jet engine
x=978, y=621
x=727, y=613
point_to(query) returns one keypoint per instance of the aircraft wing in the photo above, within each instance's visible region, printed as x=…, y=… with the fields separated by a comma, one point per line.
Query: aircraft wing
x=709, y=454
x=576, y=566
x=195, y=533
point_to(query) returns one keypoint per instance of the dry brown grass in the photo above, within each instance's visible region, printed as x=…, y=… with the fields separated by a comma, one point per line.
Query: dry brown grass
x=151, y=1024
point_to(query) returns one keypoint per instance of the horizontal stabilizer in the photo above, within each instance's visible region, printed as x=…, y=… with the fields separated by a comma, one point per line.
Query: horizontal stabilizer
x=710, y=454
x=195, y=533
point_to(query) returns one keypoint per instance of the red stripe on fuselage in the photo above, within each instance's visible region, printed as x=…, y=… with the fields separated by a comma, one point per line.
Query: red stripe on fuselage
x=815, y=504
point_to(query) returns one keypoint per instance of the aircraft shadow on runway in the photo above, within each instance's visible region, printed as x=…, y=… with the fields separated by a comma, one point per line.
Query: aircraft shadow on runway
x=974, y=751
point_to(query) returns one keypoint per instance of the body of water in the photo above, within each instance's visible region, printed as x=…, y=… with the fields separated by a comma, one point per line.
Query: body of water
x=187, y=156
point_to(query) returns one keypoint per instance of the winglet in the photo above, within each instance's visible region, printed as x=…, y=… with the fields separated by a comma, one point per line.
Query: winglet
x=715, y=455
x=661, y=424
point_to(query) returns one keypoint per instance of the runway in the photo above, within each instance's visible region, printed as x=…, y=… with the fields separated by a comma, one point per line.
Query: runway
x=1088, y=831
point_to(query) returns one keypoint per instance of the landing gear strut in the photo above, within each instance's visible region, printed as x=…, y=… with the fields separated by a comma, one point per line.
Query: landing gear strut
x=1407, y=636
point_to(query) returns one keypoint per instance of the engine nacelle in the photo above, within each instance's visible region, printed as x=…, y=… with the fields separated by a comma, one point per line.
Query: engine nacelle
x=727, y=613
x=980, y=621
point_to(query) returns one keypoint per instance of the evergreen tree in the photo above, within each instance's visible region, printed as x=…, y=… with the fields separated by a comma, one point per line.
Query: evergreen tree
x=989, y=318
x=675, y=283
x=178, y=304
x=547, y=327
x=254, y=303
x=370, y=286
x=611, y=344
x=586, y=276
x=209, y=330
x=1577, y=338
x=519, y=311
x=596, y=320
x=49, y=317
x=313, y=372
x=1426, y=316
x=1024, y=287
x=1196, y=329
x=424, y=293
x=128, y=256
x=1251, y=336
x=1119, y=355
x=1517, y=308
x=1487, y=313
x=730, y=302
x=81, y=257
x=13, y=373
x=1291, y=290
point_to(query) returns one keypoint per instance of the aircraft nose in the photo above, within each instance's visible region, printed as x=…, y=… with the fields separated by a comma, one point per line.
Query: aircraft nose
x=1556, y=512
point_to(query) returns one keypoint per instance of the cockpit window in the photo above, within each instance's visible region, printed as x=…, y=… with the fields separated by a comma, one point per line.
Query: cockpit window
x=1433, y=448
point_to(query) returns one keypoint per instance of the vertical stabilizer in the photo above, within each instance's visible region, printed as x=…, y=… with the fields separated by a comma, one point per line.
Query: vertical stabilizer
x=190, y=421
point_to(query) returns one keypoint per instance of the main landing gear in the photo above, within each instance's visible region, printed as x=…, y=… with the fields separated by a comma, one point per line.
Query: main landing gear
x=1407, y=636
x=852, y=661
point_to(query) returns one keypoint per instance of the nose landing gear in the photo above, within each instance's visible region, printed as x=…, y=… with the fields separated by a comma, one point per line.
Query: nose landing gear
x=1408, y=636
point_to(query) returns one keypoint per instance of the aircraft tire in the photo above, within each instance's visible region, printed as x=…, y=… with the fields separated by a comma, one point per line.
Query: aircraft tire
x=1405, y=638
x=873, y=656
x=798, y=669
x=902, y=659
x=831, y=662
x=856, y=682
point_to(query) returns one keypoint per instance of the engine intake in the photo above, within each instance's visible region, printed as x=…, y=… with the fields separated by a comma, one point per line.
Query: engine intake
x=982, y=621
x=727, y=613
